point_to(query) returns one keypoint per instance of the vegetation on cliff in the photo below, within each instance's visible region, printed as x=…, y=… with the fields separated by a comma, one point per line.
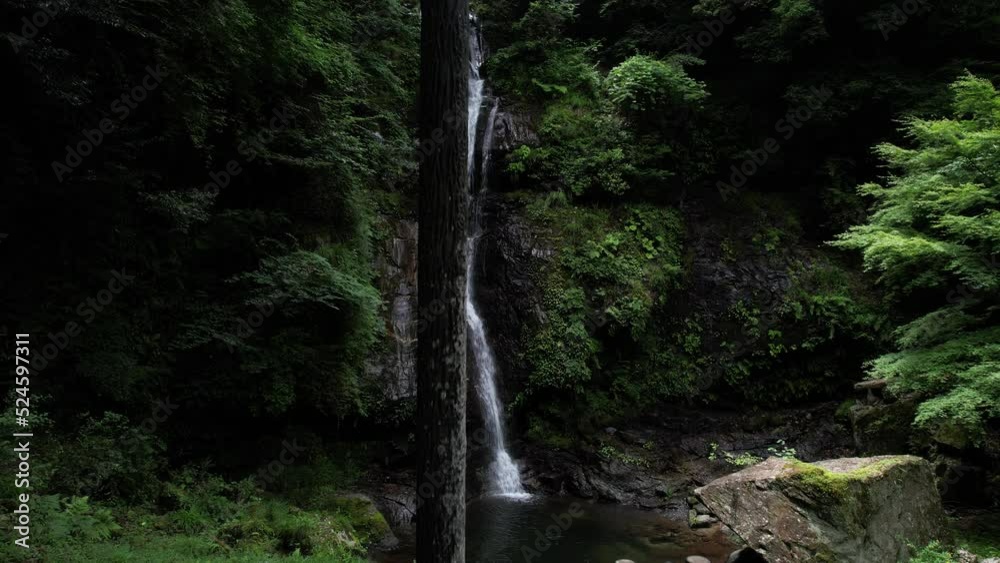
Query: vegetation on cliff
x=742, y=203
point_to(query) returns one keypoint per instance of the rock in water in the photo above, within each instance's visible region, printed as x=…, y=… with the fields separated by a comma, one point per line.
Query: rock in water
x=746, y=555
x=702, y=521
x=851, y=510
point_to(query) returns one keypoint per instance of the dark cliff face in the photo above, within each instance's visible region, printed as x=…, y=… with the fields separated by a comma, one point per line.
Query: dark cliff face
x=510, y=255
x=730, y=262
x=392, y=369
x=511, y=129
x=726, y=269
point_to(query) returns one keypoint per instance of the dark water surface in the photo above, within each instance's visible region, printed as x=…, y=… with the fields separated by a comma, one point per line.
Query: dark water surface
x=504, y=530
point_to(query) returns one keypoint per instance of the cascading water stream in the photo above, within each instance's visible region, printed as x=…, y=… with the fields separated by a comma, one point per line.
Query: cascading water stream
x=504, y=476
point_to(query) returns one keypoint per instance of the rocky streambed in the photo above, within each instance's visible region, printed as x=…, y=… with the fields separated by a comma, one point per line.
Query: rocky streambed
x=850, y=510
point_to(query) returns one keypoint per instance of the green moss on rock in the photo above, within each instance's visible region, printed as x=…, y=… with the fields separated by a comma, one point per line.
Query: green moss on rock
x=835, y=485
x=851, y=509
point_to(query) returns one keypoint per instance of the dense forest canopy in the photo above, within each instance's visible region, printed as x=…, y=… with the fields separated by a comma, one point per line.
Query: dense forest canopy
x=747, y=204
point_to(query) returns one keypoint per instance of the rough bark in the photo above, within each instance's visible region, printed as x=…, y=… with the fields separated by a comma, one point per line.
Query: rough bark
x=443, y=209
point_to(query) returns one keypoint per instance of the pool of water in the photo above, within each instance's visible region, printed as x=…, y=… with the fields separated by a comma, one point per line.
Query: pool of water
x=566, y=530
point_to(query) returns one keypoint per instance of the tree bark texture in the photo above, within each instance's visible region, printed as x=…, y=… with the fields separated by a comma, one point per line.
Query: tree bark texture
x=442, y=216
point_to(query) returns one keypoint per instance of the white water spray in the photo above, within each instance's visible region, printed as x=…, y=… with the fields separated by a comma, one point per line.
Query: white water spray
x=503, y=473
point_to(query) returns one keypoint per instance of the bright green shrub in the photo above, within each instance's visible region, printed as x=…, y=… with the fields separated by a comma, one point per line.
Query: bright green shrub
x=934, y=233
x=582, y=152
x=600, y=297
x=642, y=85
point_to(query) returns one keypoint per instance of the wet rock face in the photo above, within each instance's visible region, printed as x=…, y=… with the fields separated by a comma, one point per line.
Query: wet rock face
x=394, y=370
x=513, y=128
x=509, y=256
x=674, y=442
x=752, y=274
x=506, y=295
x=850, y=510
x=398, y=503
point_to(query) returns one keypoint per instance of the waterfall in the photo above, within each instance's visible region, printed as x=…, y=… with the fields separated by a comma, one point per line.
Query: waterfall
x=504, y=476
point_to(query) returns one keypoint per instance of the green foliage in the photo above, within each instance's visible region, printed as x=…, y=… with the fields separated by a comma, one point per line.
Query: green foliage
x=742, y=459
x=782, y=27
x=329, y=287
x=546, y=19
x=641, y=85
x=541, y=64
x=933, y=552
x=613, y=270
x=75, y=519
x=746, y=459
x=938, y=552
x=829, y=301
x=562, y=351
x=544, y=432
x=794, y=346
x=111, y=457
x=582, y=153
x=609, y=452
x=780, y=449
x=843, y=414
x=203, y=517
x=931, y=233
x=202, y=500
x=339, y=469
x=546, y=70
x=254, y=301
x=599, y=137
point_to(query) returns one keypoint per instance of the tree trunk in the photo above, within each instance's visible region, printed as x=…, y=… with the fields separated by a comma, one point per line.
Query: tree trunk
x=443, y=209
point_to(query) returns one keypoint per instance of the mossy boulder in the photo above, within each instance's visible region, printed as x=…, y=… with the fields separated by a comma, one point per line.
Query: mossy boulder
x=368, y=524
x=850, y=510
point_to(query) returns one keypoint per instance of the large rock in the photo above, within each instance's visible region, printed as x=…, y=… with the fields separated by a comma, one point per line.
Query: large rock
x=512, y=128
x=850, y=510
